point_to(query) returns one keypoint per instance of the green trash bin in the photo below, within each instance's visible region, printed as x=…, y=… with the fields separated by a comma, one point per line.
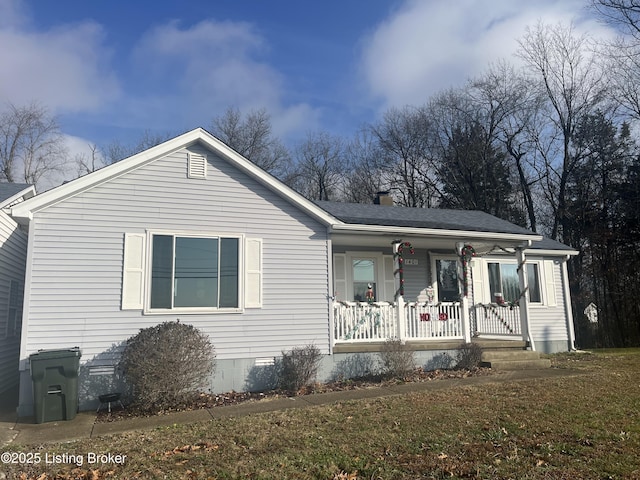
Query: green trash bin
x=55, y=384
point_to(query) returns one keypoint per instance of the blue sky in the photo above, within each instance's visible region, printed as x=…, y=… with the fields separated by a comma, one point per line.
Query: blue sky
x=111, y=70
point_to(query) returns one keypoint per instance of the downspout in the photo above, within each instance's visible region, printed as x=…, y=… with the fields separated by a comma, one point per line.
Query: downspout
x=567, y=303
x=524, y=297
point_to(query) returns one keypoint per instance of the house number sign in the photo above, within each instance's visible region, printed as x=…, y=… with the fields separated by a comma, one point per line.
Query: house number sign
x=411, y=261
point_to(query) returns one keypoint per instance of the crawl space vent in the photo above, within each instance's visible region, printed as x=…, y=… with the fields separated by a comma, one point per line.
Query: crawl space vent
x=197, y=166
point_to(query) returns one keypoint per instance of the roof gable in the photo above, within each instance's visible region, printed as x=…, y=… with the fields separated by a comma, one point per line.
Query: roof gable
x=25, y=211
x=15, y=192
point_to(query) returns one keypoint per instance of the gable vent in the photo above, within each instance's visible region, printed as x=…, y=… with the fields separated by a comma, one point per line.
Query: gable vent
x=197, y=166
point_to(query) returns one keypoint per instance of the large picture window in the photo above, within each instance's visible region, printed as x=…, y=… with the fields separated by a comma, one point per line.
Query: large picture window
x=194, y=272
x=503, y=278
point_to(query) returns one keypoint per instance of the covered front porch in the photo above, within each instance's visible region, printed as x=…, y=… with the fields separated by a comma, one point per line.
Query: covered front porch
x=431, y=289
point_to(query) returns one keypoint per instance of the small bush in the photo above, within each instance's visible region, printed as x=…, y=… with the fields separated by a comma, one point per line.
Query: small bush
x=396, y=359
x=299, y=367
x=468, y=356
x=165, y=363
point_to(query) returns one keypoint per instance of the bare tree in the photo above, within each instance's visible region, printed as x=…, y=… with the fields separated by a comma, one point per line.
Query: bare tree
x=115, y=151
x=252, y=137
x=620, y=13
x=364, y=177
x=512, y=106
x=321, y=165
x=621, y=56
x=89, y=163
x=474, y=171
x=31, y=144
x=566, y=71
x=405, y=155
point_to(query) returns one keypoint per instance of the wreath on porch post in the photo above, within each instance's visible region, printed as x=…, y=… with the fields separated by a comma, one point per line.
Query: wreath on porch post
x=400, y=254
x=467, y=252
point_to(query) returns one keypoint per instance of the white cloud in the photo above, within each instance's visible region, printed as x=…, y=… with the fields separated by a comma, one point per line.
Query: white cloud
x=425, y=47
x=10, y=14
x=207, y=67
x=61, y=68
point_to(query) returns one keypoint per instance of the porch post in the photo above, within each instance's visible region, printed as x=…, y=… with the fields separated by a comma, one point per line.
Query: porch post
x=466, y=323
x=464, y=302
x=524, y=297
x=400, y=305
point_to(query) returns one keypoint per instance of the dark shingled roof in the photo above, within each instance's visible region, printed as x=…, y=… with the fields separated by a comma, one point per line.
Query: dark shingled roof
x=8, y=190
x=436, y=218
x=548, y=244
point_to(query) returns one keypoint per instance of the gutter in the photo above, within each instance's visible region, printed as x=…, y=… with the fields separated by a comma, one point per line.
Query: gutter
x=384, y=229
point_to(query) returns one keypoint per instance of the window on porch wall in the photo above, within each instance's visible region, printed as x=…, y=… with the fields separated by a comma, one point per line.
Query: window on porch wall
x=447, y=278
x=503, y=278
x=364, y=274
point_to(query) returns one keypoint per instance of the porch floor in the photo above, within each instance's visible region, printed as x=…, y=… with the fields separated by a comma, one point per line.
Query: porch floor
x=424, y=345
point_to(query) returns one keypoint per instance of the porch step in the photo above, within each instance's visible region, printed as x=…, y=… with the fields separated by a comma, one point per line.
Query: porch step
x=514, y=360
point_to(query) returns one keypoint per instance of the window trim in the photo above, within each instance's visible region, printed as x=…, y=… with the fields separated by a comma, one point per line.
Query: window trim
x=434, y=257
x=193, y=310
x=541, y=281
x=382, y=295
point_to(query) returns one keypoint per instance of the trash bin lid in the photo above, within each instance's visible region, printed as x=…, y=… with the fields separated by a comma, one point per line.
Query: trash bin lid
x=56, y=353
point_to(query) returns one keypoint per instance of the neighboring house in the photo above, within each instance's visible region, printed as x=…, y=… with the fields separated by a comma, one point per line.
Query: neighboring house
x=191, y=230
x=13, y=254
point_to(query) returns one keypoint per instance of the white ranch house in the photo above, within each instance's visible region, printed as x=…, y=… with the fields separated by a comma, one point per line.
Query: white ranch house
x=191, y=230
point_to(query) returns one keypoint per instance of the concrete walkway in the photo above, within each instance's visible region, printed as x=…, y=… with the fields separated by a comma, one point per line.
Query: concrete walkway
x=23, y=431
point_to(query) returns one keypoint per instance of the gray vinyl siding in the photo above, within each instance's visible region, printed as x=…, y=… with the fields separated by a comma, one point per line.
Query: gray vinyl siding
x=549, y=323
x=77, y=256
x=416, y=277
x=13, y=252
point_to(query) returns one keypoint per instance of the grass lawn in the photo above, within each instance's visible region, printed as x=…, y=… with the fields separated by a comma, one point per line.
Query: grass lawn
x=576, y=427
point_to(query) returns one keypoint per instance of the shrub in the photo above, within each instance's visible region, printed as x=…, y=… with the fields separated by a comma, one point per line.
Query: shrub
x=165, y=363
x=468, y=356
x=299, y=367
x=397, y=358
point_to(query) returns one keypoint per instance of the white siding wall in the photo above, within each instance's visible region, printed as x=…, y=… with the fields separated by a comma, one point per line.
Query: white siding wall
x=548, y=323
x=76, y=274
x=13, y=251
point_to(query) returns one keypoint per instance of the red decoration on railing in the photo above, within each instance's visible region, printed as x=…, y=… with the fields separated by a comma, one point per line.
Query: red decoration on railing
x=425, y=317
x=443, y=316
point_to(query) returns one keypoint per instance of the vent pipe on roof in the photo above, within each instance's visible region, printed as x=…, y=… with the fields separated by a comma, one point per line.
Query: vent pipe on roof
x=383, y=198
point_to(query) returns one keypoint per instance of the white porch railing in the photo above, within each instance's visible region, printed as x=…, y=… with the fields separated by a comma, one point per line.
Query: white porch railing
x=440, y=321
x=494, y=319
x=379, y=321
x=360, y=321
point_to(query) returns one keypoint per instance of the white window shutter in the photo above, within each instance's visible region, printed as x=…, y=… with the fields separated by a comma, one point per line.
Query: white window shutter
x=253, y=273
x=389, y=279
x=550, y=283
x=340, y=276
x=478, y=283
x=133, y=271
